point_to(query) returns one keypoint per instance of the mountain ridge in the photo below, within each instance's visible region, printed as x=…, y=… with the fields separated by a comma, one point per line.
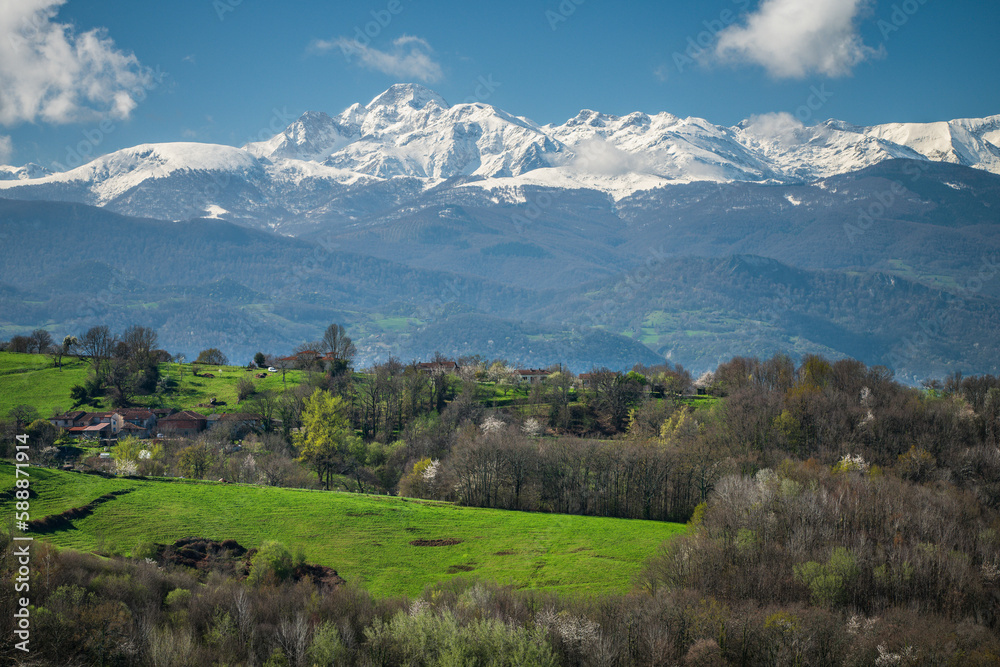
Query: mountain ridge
x=409, y=133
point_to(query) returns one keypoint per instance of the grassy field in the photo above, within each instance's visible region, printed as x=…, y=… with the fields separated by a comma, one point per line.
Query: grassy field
x=31, y=379
x=365, y=538
x=190, y=390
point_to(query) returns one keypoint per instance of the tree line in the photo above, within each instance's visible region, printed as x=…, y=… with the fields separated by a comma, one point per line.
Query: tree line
x=835, y=517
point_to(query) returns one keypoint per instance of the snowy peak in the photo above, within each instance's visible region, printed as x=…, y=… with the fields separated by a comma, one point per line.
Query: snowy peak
x=314, y=136
x=157, y=161
x=411, y=95
x=665, y=146
x=139, y=163
x=801, y=152
x=30, y=170
x=968, y=142
x=186, y=176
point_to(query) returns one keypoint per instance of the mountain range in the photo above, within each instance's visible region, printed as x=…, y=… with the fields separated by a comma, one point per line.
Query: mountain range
x=546, y=216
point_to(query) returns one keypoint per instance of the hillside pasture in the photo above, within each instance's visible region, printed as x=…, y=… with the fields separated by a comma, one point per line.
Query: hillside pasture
x=386, y=544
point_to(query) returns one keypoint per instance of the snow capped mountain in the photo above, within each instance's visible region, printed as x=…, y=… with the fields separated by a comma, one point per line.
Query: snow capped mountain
x=968, y=142
x=804, y=153
x=409, y=139
x=312, y=137
x=411, y=131
x=674, y=149
x=169, y=181
x=30, y=170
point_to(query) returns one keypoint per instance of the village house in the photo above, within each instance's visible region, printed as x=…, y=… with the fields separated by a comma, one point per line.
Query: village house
x=438, y=367
x=303, y=356
x=101, y=431
x=185, y=423
x=68, y=419
x=90, y=425
x=531, y=375
x=131, y=421
x=143, y=419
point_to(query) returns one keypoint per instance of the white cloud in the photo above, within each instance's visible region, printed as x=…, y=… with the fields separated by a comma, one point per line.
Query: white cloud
x=6, y=149
x=409, y=58
x=780, y=127
x=796, y=38
x=598, y=156
x=51, y=73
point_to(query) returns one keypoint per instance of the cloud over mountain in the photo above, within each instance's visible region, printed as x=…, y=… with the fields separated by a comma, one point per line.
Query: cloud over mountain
x=408, y=58
x=49, y=72
x=792, y=39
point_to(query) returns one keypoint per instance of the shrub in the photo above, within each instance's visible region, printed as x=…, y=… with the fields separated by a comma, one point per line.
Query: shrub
x=245, y=388
x=143, y=549
x=271, y=560
x=179, y=597
x=326, y=647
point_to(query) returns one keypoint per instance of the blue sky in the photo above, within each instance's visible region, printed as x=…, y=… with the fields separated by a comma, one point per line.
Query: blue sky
x=103, y=76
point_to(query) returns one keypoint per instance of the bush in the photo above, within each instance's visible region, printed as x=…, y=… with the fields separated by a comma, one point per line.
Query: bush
x=144, y=549
x=326, y=647
x=245, y=388
x=178, y=598
x=272, y=560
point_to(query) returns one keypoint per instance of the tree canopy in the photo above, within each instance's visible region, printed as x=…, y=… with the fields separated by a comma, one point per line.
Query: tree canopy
x=328, y=443
x=212, y=356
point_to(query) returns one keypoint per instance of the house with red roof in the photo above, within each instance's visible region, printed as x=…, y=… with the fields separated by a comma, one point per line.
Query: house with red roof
x=183, y=423
x=67, y=419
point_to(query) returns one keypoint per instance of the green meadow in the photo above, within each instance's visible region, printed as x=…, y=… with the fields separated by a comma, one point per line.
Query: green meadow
x=190, y=390
x=367, y=539
x=31, y=379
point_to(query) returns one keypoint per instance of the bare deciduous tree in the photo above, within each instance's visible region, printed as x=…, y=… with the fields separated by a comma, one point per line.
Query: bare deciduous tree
x=338, y=344
x=98, y=344
x=41, y=340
